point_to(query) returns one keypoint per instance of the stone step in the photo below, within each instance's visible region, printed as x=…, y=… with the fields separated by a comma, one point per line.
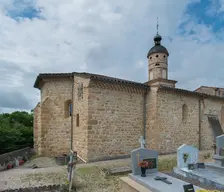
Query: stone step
x=118, y=170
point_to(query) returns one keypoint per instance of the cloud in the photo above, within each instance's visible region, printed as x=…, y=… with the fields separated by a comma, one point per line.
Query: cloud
x=101, y=36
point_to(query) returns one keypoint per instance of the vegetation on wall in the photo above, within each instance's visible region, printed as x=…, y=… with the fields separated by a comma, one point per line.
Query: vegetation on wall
x=16, y=131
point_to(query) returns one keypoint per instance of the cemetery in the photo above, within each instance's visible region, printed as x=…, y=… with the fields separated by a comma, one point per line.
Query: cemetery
x=143, y=172
x=146, y=177
x=211, y=174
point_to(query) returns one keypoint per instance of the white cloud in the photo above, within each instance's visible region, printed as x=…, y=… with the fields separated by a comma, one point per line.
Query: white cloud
x=109, y=37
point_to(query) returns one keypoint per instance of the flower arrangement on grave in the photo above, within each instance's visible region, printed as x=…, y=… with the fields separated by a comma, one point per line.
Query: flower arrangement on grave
x=10, y=165
x=143, y=164
x=185, y=156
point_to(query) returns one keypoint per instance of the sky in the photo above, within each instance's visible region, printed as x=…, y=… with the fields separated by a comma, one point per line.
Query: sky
x=109, y=37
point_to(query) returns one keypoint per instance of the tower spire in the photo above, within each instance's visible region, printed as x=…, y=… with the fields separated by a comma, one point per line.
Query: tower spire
x=157, y=38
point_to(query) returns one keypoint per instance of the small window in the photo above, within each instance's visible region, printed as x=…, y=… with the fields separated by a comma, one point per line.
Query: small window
x=157, y=55
x=157, y=64
x=150, y=57
x=68, y=108
x=184, y=112
x=164, y=56
x=77, y=120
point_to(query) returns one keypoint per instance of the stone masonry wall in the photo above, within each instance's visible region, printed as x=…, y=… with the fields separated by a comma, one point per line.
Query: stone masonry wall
x=157, y=66
x=80, y=133
x=211, y=91
x=174, y=131
x=115, y=121
x=152, y=133
x=55, y=127
x=209, y=107
x=37, y=126
x=206, y=90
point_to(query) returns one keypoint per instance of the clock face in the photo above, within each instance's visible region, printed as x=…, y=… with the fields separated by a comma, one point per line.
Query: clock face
x=152, y=163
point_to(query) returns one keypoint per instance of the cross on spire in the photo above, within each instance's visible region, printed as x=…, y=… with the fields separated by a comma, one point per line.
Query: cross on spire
x=157, y=26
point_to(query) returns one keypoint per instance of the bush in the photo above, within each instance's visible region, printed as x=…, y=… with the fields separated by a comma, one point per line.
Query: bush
x=16, y=131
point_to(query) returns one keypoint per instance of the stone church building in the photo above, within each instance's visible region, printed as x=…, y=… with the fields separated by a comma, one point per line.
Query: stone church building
x=103, y=117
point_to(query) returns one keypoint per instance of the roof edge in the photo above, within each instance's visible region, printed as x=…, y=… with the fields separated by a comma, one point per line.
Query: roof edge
x=87, y=75
x=198, y=94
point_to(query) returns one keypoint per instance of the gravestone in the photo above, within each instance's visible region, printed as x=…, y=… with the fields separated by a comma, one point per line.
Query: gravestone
x=219, y=157
x=220, y=144
x=192, y=155
x=141, y=154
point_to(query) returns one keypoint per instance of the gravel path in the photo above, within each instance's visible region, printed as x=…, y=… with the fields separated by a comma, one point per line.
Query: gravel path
x=50, y=173
x=21, y=178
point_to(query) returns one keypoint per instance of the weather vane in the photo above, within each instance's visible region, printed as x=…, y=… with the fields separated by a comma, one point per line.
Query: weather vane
x=157, y=26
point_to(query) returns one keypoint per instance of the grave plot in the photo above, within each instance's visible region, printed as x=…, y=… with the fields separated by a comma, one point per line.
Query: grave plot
x=145, y=174
x=208, y=174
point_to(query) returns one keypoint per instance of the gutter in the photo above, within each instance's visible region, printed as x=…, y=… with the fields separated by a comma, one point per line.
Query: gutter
x=72, y=116
x=144, y=115
x=199, y=125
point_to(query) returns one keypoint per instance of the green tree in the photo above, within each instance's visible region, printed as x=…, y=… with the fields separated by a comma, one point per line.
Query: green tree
x=16, y=130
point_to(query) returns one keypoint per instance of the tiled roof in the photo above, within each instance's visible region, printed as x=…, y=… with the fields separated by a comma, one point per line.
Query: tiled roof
x=87, y=75
x=177, y=90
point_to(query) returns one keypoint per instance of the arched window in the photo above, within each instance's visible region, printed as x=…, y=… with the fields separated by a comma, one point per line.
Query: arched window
x=184, y=112
x=68, y=108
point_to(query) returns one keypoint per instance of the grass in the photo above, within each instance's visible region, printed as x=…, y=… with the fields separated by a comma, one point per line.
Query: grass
x=44, y=178
x=94, y=179
x=167, y=164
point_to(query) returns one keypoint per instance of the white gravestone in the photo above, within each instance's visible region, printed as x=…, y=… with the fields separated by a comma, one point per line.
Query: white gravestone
x=192, y=155
x=142, y=142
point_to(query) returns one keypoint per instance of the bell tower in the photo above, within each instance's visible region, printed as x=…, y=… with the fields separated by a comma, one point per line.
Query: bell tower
x=158, y=62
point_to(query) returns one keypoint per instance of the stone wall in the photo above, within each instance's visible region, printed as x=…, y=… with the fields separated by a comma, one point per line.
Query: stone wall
x=209, y=107
x=157, y=66
x=6, y=157
x=206, y=90
x=80, y=116
x=174, y=128
x=37, y=126
x=55, y=126
x=152, y=133
x=115, y=120
x=211, y=91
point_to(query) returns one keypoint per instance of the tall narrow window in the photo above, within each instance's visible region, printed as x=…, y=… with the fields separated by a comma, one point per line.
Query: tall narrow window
x=184, y=112
x=77, y=120
x=68, y=108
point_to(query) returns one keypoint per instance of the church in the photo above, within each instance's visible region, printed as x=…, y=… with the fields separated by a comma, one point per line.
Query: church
x=103, y=117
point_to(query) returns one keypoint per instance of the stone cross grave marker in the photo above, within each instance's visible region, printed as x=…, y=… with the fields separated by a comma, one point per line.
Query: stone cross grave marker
x=142, y=142
x=186, y=154
x=220, y=145
x=141, y=154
